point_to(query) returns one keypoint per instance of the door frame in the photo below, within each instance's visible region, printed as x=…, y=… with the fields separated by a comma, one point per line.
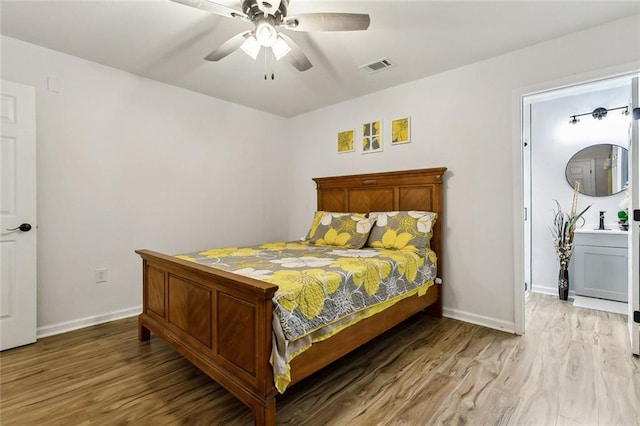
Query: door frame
x=518, y=136
x=634, y=254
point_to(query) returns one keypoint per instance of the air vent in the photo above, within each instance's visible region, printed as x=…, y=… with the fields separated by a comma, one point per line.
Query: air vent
x=379, y=65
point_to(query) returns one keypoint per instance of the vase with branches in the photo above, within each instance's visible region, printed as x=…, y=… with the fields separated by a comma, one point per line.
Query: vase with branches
x=564, y=225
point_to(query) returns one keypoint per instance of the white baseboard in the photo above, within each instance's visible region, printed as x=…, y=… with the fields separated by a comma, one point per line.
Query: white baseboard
x=64, y=327
x=544, y=289
x=550, y=289
x=489, y=322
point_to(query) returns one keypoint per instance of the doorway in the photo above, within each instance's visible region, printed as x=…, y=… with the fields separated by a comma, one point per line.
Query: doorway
x=556, y=125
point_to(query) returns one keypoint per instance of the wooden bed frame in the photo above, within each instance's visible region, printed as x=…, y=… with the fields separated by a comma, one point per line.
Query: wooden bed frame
x=221, y=321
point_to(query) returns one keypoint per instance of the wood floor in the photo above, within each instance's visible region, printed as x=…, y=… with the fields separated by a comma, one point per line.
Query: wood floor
x=573, y=366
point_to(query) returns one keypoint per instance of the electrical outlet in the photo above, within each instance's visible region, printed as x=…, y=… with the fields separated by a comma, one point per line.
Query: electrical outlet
x=101, y=275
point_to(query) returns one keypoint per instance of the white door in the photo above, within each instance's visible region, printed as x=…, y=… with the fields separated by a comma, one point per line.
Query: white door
x=634, y=229
x=581, y=171
x=17, y=207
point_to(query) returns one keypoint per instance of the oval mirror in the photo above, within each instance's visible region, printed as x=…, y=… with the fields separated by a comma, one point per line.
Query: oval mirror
x=600, y=169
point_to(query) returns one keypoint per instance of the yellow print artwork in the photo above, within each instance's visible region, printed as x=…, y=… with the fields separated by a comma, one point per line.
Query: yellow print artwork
x=400, y=131
x=346, y=141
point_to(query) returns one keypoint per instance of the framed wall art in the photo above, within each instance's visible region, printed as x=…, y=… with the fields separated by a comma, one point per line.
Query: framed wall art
x=372, y=137
x=401, y=130
x=346, y=141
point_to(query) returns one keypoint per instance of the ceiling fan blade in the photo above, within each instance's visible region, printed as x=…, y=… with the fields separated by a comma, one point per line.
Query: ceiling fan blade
x=216, y=8
x=228, y=46
x=327, y=22
x=296, y=57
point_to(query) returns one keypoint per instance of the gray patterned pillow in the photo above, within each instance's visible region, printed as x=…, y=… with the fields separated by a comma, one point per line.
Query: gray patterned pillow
x=340, y=229
x=410, y=230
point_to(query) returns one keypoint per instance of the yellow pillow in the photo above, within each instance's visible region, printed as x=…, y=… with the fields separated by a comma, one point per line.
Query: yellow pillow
x=343, y=230
x=410, y=230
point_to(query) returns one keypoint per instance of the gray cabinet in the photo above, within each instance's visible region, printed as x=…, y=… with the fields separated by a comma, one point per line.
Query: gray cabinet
x=599, y=265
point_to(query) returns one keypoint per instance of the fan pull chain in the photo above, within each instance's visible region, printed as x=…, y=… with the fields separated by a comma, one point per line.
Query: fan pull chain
x=268, y=64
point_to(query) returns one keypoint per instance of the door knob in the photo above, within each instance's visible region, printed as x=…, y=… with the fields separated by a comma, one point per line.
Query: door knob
x=25, y=227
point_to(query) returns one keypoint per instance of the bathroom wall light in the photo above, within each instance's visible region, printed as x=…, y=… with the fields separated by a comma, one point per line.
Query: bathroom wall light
x=598, y=113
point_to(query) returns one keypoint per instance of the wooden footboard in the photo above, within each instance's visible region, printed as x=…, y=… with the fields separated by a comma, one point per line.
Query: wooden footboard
x=220, y=322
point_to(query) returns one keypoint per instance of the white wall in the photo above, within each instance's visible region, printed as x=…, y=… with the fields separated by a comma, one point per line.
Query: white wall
x=127, y=163
x=553, y=142
x=461, y=119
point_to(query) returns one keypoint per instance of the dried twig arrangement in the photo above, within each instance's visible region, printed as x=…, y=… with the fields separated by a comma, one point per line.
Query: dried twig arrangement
x=564, y=225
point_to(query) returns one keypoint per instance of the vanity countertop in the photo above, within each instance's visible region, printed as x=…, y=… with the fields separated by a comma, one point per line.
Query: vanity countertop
x=611, y=230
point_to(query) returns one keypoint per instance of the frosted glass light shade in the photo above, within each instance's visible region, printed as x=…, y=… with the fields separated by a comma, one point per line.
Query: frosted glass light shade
x=280, y=48
x=266, y=34
x=251, y=47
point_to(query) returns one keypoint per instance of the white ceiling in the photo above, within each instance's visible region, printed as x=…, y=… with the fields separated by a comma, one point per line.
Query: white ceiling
x=167, y=41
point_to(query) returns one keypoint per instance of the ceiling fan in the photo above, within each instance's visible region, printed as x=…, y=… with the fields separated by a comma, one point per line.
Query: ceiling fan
x=267, y=17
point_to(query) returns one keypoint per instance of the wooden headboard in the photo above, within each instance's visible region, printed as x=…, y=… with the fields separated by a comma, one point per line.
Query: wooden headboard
x=387, y=191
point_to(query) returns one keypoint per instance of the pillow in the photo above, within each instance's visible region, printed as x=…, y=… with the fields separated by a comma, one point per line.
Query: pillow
x=343, y=230
x=317, y=217
x=410, y=230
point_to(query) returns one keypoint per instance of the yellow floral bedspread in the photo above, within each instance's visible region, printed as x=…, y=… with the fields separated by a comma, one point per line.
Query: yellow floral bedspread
x=322, y=289
x=318, y=285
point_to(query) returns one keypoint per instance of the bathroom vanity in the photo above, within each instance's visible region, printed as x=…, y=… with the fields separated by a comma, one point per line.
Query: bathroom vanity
x=599, y=265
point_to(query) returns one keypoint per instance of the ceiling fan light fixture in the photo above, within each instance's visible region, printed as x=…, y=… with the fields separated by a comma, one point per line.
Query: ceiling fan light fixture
x=280, y=48
x=266, y=33
x=251, y=47
x=268, y=16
